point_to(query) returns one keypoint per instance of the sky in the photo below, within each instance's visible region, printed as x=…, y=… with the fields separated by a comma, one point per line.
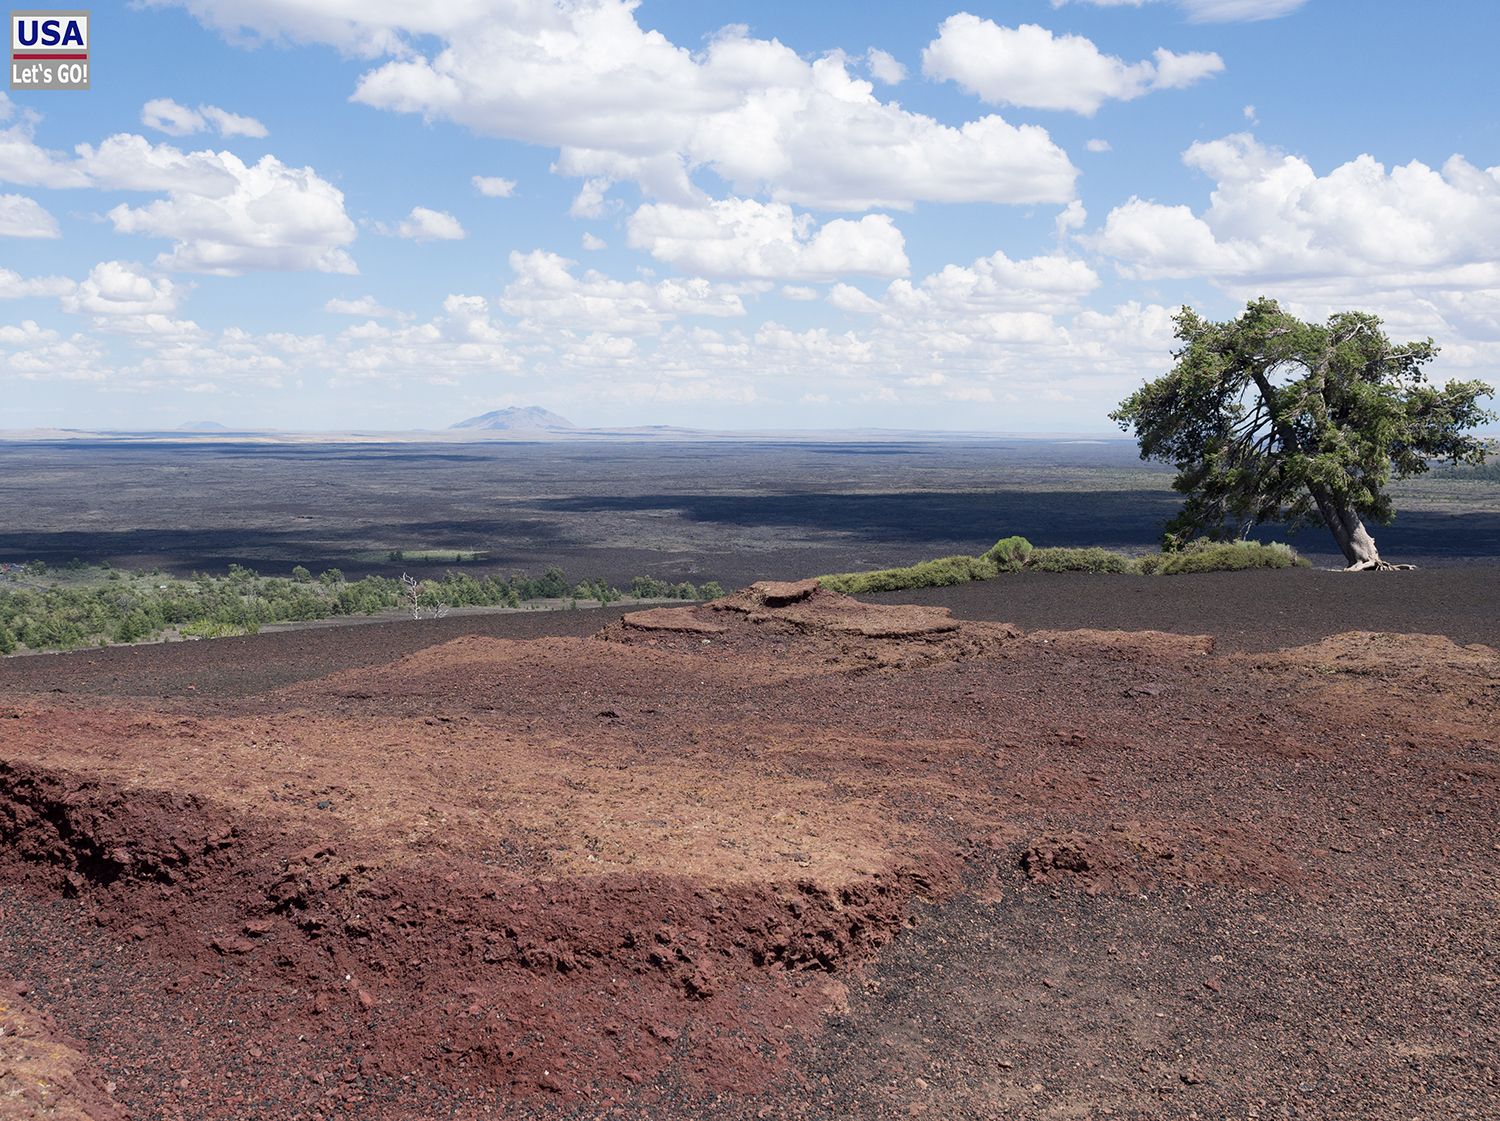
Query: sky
x=378, y=214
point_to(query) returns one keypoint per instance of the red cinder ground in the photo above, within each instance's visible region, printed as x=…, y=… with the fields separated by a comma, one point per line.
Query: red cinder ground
x=781, y=855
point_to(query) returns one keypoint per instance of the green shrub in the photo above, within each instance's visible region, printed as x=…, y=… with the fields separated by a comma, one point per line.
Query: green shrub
x=941, y=573
x=1092, y=559
x=1009, y=554
x=207, y=628
x=1203, y=555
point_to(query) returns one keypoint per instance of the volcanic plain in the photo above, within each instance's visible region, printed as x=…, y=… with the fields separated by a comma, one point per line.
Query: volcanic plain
x=784, y=854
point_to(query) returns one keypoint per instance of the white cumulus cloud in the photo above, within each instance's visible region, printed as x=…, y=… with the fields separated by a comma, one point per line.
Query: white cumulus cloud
x=364, y=306
x=25, y=217
x=546, y=291
x=1030, y=66
x=122, y=288
x=883, y=67
x=165, y=115
x=493, y=186
x=426, y=224
x=251, y=217
x=623, y=103
x=743, y=237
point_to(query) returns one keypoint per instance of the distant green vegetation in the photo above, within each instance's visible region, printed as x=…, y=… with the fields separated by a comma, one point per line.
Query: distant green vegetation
x=432, y=556
x=1480, y=472
x=58, y=609
x=1012, y=554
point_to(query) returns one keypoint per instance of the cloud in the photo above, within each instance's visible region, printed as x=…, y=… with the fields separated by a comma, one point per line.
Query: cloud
x=225, y=216
x=883, y=67
x=799, y=292
x=166, y=115
x=226, y=123
x=24, y=217
x=622, y=103
x=1209, y=11
x=1098, y=146
x=15, y=287
x=494, y=187
x=122, y=288
x=1029, y=66
x=245, y=218
x=1271, y=216
x=592, y=243
x=1071, y=217
x=1417, y=245
x=546, y=292
x=365, y=306
x=424, y=224
x=742, y=237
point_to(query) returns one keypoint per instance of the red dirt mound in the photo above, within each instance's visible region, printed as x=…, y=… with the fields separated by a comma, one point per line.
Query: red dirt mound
x=643, y=867
x=43, y=1076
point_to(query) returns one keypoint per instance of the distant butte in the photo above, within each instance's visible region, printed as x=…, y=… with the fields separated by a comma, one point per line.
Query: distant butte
x=530, y=418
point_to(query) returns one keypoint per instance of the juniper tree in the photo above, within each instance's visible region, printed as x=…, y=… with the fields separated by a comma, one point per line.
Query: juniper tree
x=1270, y=419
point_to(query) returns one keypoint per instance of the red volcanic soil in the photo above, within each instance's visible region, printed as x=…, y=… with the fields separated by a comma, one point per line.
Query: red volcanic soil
x=785, y=854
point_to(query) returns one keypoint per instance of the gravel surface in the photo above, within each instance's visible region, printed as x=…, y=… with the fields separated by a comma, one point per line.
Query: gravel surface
x=786, y=856
x=1261, y=610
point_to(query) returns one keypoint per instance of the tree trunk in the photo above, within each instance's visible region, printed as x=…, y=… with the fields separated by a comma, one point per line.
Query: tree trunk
x=1349, y=531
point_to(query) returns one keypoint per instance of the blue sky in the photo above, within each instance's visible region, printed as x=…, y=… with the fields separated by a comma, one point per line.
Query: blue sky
x=266, y=212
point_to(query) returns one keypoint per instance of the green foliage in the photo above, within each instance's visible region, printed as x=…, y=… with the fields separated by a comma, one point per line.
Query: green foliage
x=1013, y=554
x=940, y=573
x=649, y=587
x=1204, y=555
x=1091, y=559
x=120, y=607
x=1009, y=554
x=206, y=628
x=1269, y=419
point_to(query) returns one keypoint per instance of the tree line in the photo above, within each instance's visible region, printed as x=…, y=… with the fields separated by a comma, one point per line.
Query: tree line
x=54, y=614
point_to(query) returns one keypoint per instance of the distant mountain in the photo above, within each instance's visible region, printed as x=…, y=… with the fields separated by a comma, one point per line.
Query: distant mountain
x=517, y=419
x=202, y=426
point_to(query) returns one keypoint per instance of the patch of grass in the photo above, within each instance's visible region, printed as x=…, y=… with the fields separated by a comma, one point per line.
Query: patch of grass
x=432, y=556
x=1221, y=556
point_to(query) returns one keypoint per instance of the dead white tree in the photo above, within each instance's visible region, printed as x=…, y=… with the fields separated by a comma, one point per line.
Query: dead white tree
x=414, y=590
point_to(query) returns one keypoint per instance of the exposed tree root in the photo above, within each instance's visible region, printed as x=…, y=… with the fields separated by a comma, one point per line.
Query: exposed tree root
x=1379, y=566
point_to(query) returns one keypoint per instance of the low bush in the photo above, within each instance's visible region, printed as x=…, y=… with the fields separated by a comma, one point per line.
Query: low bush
x=941, y=573
x=1091, y=559
x=1014, y=554
x=1222, y=556
x=1009, y=553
